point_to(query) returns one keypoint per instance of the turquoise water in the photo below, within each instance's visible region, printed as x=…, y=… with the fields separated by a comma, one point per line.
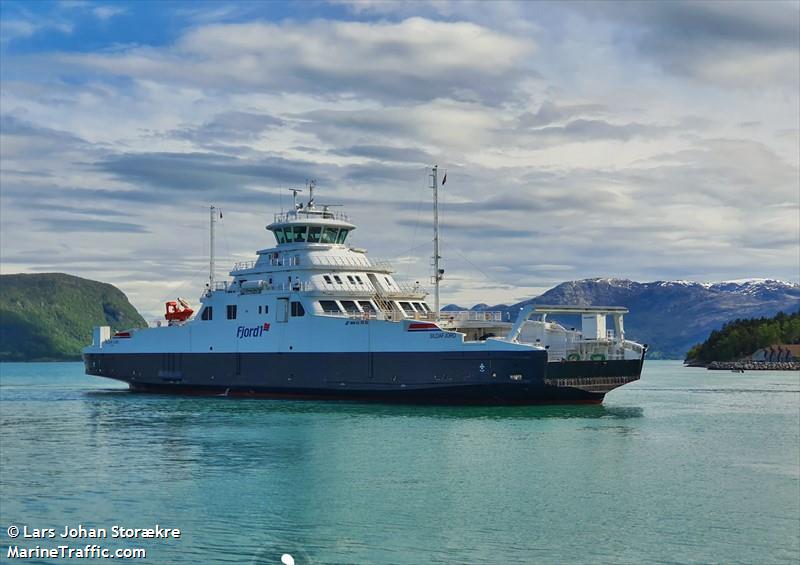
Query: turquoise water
x=686, y=465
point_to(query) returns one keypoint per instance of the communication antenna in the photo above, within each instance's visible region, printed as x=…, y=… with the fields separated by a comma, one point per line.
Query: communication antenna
x=312, y=184
x=438, y=273
x=212, y=218
x=295, y=192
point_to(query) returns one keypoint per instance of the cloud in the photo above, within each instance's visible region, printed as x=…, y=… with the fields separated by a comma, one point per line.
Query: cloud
x=550, y=112
x=415, y=59
x=89, y=225
x=200, y=172
x=107, y=12
x=729, y=43
x=25, y=26
x=233, y=126
x=576, y=144
x=23, y=138
x=386, y=153
x=592, y=130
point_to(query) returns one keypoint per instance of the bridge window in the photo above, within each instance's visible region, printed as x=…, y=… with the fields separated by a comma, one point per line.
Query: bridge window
x=423, y=307
x=231, y=311
x=314, y=234
x=280, y=236
x=208, y=313
x=329, y=235
x=298, y=310
x=342, y=236
x=406, y=306
x=350, y=307
x=330, y=307
x=299, y=234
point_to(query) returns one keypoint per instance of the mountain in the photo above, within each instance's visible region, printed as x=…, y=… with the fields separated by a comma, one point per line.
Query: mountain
x=671, y=316
x=50, y=316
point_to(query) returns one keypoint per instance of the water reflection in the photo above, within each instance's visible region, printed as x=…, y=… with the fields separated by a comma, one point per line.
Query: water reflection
x=178, y=407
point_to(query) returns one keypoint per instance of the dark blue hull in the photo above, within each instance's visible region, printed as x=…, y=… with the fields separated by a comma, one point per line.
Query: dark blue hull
x=488, y=378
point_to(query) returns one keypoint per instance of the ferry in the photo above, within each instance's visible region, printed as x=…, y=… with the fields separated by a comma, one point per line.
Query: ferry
x=313, y=317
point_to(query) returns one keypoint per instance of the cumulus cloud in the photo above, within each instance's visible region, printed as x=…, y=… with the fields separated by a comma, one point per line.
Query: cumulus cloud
x=578, y=139
x=412, y=59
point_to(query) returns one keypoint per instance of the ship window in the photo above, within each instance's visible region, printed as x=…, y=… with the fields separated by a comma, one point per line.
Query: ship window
x=425, y=307
x=231, y=311
x=366, y=306
x=299, y=234
x=327, y=279
x=388, y=282
x=359, y=280
x=350, y=306
x=330, y=307
x=407, y=307
x=342, y=236
x=259, y=309
x=298, y=310
x=266, y=309
x=329, y=235
x=280, y=235
x=337, y=279
x=351, y=279
x=208, y=313
x=313, y=234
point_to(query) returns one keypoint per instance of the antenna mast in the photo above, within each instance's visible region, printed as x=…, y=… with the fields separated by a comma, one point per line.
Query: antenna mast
x=437, y=272
x=295, y=192
x=213, y=219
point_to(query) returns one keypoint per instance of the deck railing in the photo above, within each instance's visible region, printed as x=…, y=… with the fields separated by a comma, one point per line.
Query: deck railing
x=471, y=315
x=314, y=213
x=335, y=262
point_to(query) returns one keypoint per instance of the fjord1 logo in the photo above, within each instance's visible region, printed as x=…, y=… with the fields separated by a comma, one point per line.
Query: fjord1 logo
x=254, y=331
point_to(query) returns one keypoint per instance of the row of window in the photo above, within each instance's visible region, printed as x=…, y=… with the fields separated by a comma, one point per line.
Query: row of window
x=411, y=307
x=350, y=306
x=328, y=307
x=310, y=234
x=352, y=279
x=231, y=310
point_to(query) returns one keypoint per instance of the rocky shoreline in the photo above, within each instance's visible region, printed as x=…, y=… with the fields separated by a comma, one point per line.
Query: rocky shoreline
x=754, y=366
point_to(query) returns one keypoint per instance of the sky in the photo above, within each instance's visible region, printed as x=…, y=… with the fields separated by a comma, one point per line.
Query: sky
x=650, y=141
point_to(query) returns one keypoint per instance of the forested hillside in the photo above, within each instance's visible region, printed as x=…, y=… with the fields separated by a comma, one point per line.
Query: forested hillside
x=50, y=316
x=739, y=338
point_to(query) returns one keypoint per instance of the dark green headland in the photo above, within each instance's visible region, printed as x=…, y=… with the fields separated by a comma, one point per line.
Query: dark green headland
x=742, y=337
x=50, y=316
